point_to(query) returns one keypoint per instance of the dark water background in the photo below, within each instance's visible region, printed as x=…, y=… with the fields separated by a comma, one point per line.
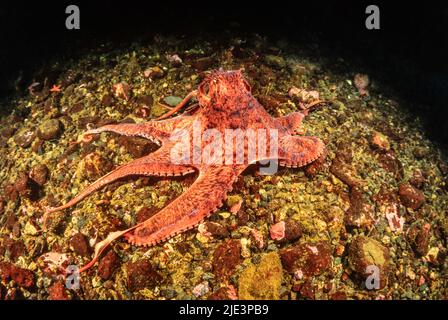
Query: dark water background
x=408, y=56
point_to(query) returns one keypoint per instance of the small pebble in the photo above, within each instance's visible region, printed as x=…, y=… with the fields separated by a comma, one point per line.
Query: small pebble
x=25, y=137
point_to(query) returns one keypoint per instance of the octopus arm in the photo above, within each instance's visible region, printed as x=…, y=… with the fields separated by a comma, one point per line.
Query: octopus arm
x=203, y=198
x=155, y=164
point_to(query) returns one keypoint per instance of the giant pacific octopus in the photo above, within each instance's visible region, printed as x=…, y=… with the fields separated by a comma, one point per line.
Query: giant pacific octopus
x=225, y=101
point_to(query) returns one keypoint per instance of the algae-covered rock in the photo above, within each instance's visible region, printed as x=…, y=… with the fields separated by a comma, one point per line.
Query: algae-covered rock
x=80, y=245
x=108, y=264
x=57, y=291
x=262, y=281
x=39, y=173
x=141, y=274
x=307, y=259
x=410, y=196
x=380, y=141
x=360, y=213
x=365, y=252
x=172, y=101
x=233, y=200
x=93, y=166
x=49, y=129
x=225, y=259
x=419, y=236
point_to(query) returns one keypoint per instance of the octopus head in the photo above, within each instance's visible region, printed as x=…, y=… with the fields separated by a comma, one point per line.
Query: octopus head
x=224, y=90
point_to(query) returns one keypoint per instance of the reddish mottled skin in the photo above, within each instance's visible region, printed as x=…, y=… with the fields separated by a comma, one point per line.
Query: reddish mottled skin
x=225, y=102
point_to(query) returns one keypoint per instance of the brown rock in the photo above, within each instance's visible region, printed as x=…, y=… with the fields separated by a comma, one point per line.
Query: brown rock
x=380, y=142
x=389, y=162
x=93, y=166
x=16, y=248
x=420, y=152
x=37, y=146
x=77, y=107
x=153, y=73
x=108, y=264
x=360, y=213
x=145, y=100
x=11, y=219
x=242, y=217
x=419, y=236
x=122, y=90
x=417, y=179
x=342, y=169
x=16, y=229
x=284, y=231
x=141, y=274
x=57, y=292
x=136, y=146
x=145, y=213
x=53, y=221
x=220, y=294
x=316, y=166
x=225, y=259
x=310, y=259
x=410, y=196
x=11, y=193
x=25, y=137
x=107, y=100
x=22, y=277
x=80, y=245
x=202, y=64
x=307, y=290
x=293, y=230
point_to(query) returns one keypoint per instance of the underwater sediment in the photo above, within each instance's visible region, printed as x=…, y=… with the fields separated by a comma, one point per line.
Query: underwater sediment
x=378, y=198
